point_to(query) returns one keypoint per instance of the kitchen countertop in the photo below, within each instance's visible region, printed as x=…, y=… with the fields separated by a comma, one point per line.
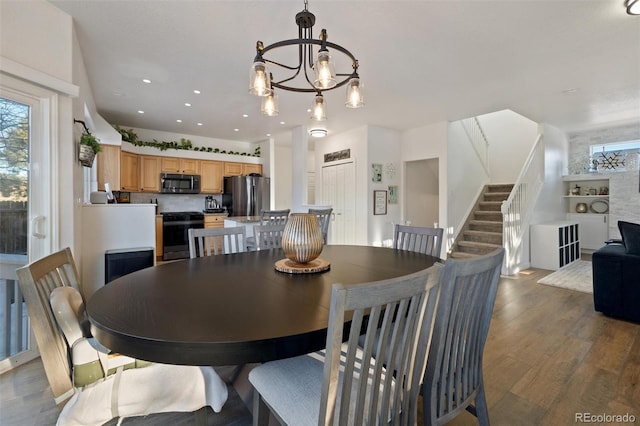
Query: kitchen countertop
x=245, y=219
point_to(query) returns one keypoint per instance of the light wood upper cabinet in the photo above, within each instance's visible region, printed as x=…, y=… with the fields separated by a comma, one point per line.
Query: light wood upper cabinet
x=129, y=172
x=233, y=169
x=180, y=165
x=211, y=176
x=247, y=169
x=241, y=169
x=109, y=167
x=150, y=173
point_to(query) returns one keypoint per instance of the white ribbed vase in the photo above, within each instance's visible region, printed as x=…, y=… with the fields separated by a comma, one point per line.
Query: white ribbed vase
x=302, y=239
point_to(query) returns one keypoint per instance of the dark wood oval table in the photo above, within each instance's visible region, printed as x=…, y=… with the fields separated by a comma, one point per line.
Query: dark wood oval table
x=233, y=309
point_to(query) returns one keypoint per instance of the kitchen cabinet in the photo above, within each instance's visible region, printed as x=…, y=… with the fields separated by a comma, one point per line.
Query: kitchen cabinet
x=241, y=169
x=129, y=172
x=159, y=237
x=247, y=168
x=214, y=220
x=211, y=173
x=594, y=229
x=555, y=244
x=233, y=169
x=109, y=167
x=587, y=203
x=180, y=165
x=150, y=173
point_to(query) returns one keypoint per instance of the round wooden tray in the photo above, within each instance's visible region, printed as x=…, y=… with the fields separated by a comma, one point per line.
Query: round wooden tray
x=291, y=267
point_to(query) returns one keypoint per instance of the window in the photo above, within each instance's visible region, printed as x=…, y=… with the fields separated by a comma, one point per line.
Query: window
x=614, y=156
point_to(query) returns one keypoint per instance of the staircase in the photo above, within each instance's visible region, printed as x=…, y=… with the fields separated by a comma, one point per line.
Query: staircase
x=482, y=232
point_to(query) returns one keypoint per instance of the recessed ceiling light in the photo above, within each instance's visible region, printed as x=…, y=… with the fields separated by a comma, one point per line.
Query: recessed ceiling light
x=197, y=92
x=146, y=80
x=245, y=115
x=236, y=130
x=268, y=134
x=309, y=110
x=140, y=111
x=199, y=124
x=282, y=122
x=569, y=91
x=179, y=121
x=187, y=104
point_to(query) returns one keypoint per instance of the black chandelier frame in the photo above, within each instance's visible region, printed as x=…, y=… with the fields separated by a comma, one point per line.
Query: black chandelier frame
x=305, y=21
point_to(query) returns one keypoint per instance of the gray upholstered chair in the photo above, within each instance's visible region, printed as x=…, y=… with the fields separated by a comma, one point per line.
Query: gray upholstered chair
x=453, y=378
x=344, y=384
x=324, y=217
x=416, y=238
x=89, y=383
x=268, y=236
x=208, y=241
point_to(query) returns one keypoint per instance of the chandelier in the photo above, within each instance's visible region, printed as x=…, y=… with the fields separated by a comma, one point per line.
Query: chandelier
x=309, y=75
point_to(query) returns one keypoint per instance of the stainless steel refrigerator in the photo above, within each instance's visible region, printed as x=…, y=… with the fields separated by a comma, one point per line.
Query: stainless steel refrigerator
x=246, y=195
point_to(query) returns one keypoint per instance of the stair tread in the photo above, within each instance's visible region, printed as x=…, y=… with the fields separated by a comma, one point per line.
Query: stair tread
x=461, y=254
x=474, y=232
x=484, y=222
x=477, y=244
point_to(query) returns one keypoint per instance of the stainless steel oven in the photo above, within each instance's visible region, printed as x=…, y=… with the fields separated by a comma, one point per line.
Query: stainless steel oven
x=175, y=233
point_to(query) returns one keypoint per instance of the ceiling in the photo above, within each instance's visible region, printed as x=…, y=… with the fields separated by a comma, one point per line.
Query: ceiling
x=572, y=64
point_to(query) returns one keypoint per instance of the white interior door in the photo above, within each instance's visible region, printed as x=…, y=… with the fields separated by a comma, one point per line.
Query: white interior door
x=338, y=191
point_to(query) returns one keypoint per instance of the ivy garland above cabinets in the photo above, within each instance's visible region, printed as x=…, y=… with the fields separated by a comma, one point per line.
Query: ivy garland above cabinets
x=184, y=144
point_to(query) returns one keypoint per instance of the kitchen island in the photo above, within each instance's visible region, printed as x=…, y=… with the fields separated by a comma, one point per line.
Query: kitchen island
x=247, y=221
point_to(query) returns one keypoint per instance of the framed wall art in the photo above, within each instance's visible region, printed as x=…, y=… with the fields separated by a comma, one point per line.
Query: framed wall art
x=379, y=202
x=393, y=194
x=376, y=172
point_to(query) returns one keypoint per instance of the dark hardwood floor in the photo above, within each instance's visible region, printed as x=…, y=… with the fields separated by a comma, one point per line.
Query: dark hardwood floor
x=548, y=357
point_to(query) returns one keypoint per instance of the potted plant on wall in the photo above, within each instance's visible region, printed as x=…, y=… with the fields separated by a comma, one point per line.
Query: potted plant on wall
x=89, y=147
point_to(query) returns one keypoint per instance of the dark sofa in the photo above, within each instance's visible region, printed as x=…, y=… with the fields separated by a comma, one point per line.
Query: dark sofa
x=616, y=275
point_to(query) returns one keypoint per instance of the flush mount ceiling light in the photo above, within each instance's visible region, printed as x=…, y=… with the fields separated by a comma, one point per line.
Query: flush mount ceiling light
x=633, y=7
x=318, y=133
x=308, y=76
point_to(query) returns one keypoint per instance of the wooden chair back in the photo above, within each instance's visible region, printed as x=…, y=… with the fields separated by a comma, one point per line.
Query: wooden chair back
x=268, y=236
x=214, y=241
x=453, y=378
x=324, y=217
x=419, y=239
x=398, y=315
x=37, y=281
x=274, y=217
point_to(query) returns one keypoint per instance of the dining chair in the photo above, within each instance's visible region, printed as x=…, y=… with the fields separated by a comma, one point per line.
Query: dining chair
x=207, y=241
x=324, y=217
x=453, y=378
x=89, y=383
x=344, y=384
x=269, y=217
x=274, y=217
x=419, y=239
x=268, y=236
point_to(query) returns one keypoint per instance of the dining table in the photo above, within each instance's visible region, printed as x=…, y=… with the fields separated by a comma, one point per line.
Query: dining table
x=234, y=308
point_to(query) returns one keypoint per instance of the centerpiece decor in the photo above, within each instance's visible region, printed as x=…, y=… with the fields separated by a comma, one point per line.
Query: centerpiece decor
x=302, y=243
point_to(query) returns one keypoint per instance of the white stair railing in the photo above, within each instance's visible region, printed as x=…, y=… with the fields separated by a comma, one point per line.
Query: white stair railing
x=478, y=140
x=517, y=209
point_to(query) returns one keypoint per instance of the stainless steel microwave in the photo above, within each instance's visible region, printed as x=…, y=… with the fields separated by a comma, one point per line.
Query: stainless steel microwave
x=173, y=183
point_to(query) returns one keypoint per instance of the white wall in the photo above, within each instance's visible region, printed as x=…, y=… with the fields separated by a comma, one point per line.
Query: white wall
x=37, y=38
x=422, y=181
x=282, y=177
x=383, y=147
x=423, y=143
x=549, y=206
x=510, y=137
